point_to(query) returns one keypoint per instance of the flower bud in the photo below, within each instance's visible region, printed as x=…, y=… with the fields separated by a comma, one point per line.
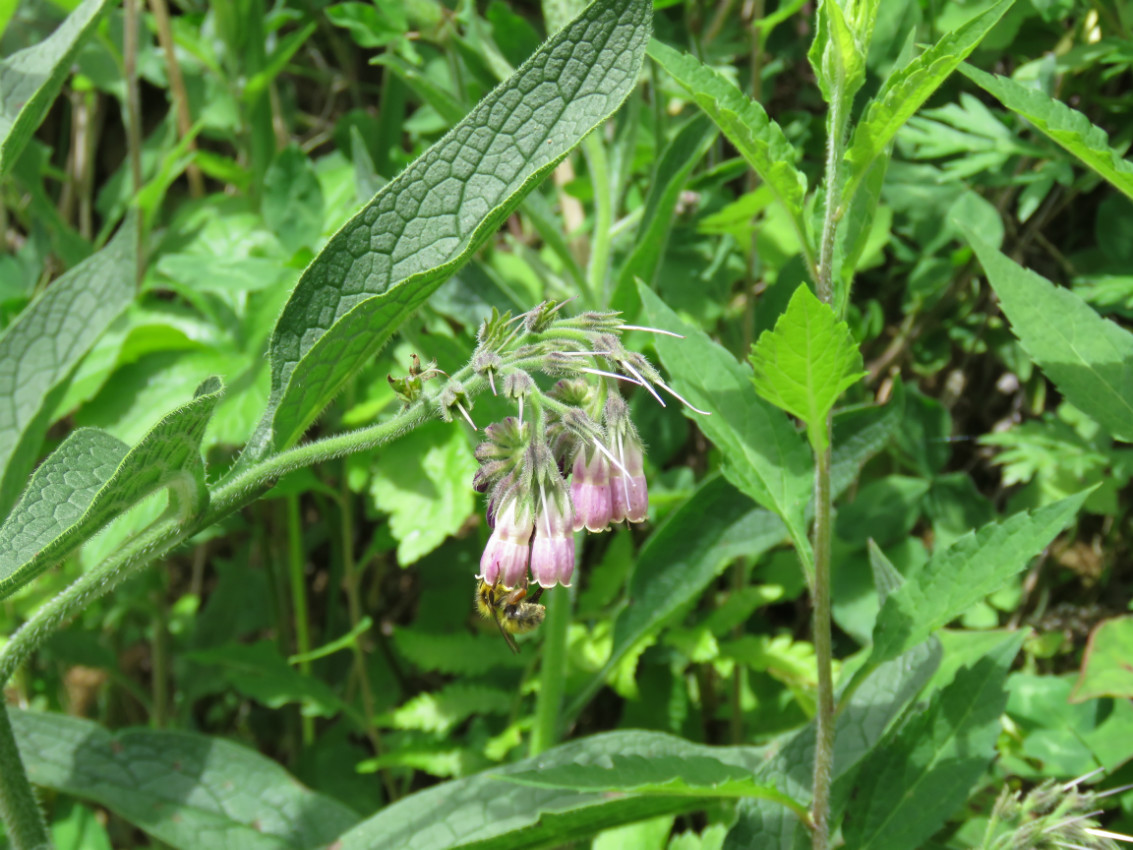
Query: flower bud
x=506, y=556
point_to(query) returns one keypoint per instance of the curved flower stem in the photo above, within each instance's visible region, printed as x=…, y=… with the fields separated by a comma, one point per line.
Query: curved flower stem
x=548, y=704
x=17, y=801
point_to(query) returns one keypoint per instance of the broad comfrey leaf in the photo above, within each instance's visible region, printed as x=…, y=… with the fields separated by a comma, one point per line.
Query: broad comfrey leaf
x=697, y=776
x=31, y=78
x=1063, y=124
x=483, y=811
x=904, y=92
x=759, y=140
x=187, y=790
x=1090, y=359
x=43, y=345
x=807, y=362
x=961, y=575
x=425, y=223
x=923, y=773
x=93, y=477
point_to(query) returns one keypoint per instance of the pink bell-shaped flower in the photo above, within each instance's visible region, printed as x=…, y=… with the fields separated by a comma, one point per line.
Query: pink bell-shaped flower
x=552, y=553
x=629, y=496
x=590, y=491
x=505, y=557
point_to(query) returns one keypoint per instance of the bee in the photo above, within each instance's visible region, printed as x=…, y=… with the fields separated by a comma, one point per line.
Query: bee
x=514, y=612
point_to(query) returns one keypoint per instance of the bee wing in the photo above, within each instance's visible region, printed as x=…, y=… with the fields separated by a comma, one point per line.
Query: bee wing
x=510, y=640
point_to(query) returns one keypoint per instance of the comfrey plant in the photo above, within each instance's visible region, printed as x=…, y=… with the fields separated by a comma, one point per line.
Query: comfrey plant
x=580, y=428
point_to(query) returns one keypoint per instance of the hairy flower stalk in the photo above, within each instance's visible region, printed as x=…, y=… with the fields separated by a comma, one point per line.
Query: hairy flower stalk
x=579, y=430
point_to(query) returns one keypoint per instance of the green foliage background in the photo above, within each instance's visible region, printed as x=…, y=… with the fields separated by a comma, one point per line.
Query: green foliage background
x=348, y=185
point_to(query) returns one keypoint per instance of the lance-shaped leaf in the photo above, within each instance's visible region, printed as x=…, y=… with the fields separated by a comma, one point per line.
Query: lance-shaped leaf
x=31, y=78
x=1064, y=125
x=92, y=477
x=764, y=456
x=759, y=140
x=806, y=362
x=1090, y=359
x=483, y=811
x=42, y=346
x=679, y=776
x=923, y=773
x=430, y=219
x=906, y=89
x=961, y=575
x=187, y=790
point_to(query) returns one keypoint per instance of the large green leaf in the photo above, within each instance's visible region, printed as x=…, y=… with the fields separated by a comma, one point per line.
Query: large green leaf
x=759, y=140
x=764, y=456
x=914, y=780
x=906, y=89
x=425, y=223
x=93, y=477
x=188, y=790
x=689, y=776
x=961, y=575
x=680, y=559
x=1064, y=125
x=1090, y=359
x=42, y=347
x=31, y=78
x=490, y=814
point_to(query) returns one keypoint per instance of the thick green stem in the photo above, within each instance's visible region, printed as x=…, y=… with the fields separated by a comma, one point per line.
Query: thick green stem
x=296, y=561
x=824, y=746
x=18, y=806
x=548, y=705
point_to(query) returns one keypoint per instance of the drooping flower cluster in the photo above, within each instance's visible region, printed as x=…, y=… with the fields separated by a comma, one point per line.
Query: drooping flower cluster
x=580, y=428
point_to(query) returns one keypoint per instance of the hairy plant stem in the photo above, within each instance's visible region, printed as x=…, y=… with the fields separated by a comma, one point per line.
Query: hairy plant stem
x=548, y=704
x=824, y=743
x=19, y=809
